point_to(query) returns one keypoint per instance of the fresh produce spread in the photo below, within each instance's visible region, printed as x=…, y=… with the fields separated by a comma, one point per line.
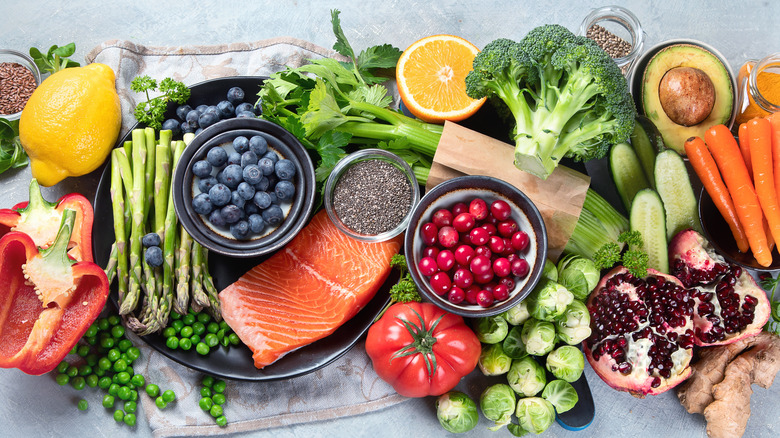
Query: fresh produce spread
x=648, y=293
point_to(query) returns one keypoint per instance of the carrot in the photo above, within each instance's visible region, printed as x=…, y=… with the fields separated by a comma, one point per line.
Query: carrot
x=760, y=145
x=744, y=146
x=732, y=167
x=774, y=122
x=704, y=165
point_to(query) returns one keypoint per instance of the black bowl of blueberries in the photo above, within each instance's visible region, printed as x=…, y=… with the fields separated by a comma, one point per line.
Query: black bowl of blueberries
x=244, y=187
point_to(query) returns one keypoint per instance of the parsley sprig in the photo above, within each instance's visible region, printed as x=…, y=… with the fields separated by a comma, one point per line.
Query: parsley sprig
x=633, y=258
x=769, y=283
x=152, y=111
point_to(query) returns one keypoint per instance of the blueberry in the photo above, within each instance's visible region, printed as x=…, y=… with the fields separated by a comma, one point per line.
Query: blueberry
x=192, y=118
x=153, y=256
x=272, y=180
x=237, y=200
x=245, y=107
x=285, y=169
x=201, y=109
x=217, y=156
x=271, y=155
x=241, y=144
x=201, y=203
x=263, y=184
x=240, y=230
x=150, y=239
x=245, y=190
x=245, y=115
x=252, y=174
x=231, y=214
x=232, y=175
x=226, y=109
x=216, y=218
x=248, y=158
x=256, y=223
x=205, y=184
x=235, y=95
x=234, y=158
x=182, y=111
x=219, y=195
x=251, y=208
x=172, y=125
x=262, y=200
x=208, y=118
x=273, y=197
x=273, y=215
x=258, y=108
x=266, y=166
x=186, y=127
x=198, y=131
x=201, y=168
x=258, y=144
x=284, y=190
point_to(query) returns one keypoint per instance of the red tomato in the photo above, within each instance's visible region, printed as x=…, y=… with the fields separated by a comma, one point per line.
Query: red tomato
x=429, y=357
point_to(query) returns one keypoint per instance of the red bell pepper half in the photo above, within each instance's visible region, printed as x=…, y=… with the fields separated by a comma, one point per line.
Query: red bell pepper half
x=47, y=300
x=40, y=219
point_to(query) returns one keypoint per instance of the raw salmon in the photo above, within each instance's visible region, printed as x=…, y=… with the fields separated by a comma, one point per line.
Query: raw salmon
x=306, y=290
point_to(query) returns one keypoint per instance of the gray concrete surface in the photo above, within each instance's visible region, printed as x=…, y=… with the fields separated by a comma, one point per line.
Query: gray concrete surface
x=35, y=406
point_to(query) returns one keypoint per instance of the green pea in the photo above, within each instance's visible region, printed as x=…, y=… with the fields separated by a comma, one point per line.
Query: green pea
x=234, y=339
x=215, y=411
x=72, y=371
x=131, y=407
x=185, y=344
x=134, y=395
x=91, y=380
x=152, y=390
x=172, y=342
x=118, y=331
x=198, y=328
x=219, y=386
x=224, y=326
x=92, y=359
x=224, y=341
x=130, y=419
x=138, y=380
x=130, y=371
x=102, y=324
x=91, y=331
x=83, y=405
x=74, y=350
x=205, y=392
x=78, y=383
x=169, y=396
x=195, y=339
x=211, y=340
x=188, y=319
x=202, y=348
x=221, y=334
x=104, y=383
x=204, y=318
x=113, y=389
x=192, y=312
x=120, y=365
x=207, y=381
x=124, y=393
x=218, y=399
x=62, y=367
x=133, y=354
x=206, y=403
x=124, y=357
x=119, y=415
x=124, y=345
x=104, y=363
x=108, y=401
x=113, y=355
x=161, y=404
x=213, y=327
x=62, y=379
x=85, y=370
x=221, y=421
x=168, y=332
x=114, y=320
x=123, y=377
x=83, y=350
x=177, y=325
x=186, y=332
x=175, y=316
x=91, y=340
x=99, y=372
x=107, y=342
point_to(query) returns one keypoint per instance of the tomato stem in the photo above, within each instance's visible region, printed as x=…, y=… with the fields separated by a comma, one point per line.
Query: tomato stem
x=423, y=341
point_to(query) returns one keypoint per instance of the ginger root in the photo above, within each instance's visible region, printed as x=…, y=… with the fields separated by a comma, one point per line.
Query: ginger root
x=720, y=384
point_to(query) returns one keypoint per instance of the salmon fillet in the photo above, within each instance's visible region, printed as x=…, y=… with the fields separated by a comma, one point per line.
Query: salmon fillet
x=306, y=290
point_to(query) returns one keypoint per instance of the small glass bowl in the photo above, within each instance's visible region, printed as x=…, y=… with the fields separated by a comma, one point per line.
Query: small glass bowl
x=7, y=55
x=622, y=23
x=366, y=155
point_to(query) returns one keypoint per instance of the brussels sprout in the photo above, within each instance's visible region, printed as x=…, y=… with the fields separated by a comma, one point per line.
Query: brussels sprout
x=561, y=394
x=578, y=274
x=517, y=314
x=513, y=346
x=491, y=329
x=566, y=362
x=498, y=404
x=549, y=271
x=574, y=325
x=538, y=337
x=535, y=414
x=526, y=377
x=493, y=361
x=548, y=300
x=456, y=412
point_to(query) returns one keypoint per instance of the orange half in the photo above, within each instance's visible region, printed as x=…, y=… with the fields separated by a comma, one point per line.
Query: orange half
x=431, y=77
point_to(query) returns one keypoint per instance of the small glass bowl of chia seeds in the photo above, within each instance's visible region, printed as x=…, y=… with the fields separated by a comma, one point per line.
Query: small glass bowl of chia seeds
x=370, y=195
x=19, y=77
x=616, y=30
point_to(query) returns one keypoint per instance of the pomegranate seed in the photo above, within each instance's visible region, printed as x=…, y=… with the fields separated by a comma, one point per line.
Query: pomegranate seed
x=428, y=266
x=496, y=244
x=442, y=218
x=448, y=237
x=456, y=295
x=464, y=222
x=485, y=298
x=520, y=268
x=520, y=240
x=430, y=251
x=445, y=260
x=478, y=208
x=500, y=209
x=502, y=267
x=500, y=292
x=463, y=278
x=429, y=232
x=479, y=236
x=463, y=254
x=507, y=228
x=441, y=283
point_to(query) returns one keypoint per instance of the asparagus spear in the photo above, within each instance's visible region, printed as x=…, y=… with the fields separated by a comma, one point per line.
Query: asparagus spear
x=200, y=298
x=137, y=229
x=182, y=301
x=169, y=247
x=215, y=309
x=118, y=209
x=112, y=262
x=149, y=170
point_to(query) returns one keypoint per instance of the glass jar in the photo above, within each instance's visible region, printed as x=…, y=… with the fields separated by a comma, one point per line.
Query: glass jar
x=619, y=33
x=759, y=88
x=21, y=91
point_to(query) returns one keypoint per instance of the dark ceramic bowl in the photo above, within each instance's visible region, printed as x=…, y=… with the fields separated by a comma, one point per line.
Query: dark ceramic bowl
x=272, y=238
x=717, y=231
x=464, y=189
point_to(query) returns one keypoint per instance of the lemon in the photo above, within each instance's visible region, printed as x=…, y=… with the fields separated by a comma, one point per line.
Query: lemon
x=71, y=122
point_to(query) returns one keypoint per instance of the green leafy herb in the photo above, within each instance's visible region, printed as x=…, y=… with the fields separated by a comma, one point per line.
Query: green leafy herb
x=12, y=154
x=633, y=258
x=152, y=111
x=55, y=59
x=405, y=290
x=769, y=284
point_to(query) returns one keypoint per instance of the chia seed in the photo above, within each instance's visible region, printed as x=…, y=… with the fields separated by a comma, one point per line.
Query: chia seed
x=372, y=197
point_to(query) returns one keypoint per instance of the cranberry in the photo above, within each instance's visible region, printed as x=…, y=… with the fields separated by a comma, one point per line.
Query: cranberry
x=462, y=277
x=480, y=265
x=441, y=283
x=429, y=232
x=459, y=207
x=485, y=298
x=491, y=229
x=428, y=266
x=471, y=294
x=508, y=248
x=491, y=220
x=445, y=260
x=520, y=268
x=456, y=295
x=502, y=267
x=508, y=282
x=483, y=250
x=520, y=240
x=507, y=228
x=448, y=237
x=478, y=207
x=479, y=236
x=512, y=257
x=496, y=244
x=500, y=292
x=464, y=222
x=442, y=218
x=500, y=209
x=487, y=277
x=430, y=251
x=463, y=254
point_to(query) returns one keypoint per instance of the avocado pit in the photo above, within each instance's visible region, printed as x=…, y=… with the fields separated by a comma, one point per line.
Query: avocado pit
x=687, y=95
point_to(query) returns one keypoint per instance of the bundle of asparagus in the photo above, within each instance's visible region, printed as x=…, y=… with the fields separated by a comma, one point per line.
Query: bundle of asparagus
x=142, y=202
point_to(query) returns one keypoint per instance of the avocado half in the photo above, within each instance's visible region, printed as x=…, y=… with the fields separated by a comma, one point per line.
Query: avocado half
x=686, y=55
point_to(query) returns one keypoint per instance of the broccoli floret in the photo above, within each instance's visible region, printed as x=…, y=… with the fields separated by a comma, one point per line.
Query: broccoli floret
x=567, y=96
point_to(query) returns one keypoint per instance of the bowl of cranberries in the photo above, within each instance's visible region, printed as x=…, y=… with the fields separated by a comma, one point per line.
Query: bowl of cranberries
x=475, y=245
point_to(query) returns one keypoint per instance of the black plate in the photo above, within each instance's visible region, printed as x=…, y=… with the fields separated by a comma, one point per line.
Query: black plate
x=236, y=362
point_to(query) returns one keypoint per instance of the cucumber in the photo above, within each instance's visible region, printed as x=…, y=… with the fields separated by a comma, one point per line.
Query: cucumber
x=673, y=185
x=647, y=142
x=648, y=217
x=626, y=172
